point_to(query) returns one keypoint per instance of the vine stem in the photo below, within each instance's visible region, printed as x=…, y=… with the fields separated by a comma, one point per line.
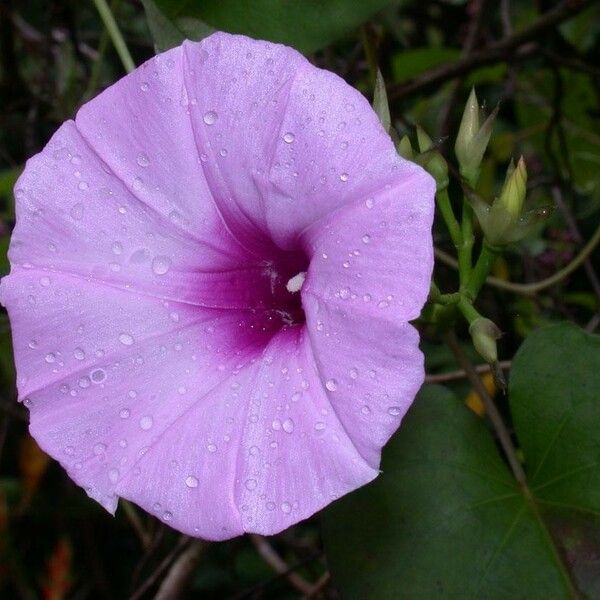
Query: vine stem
x=115, y=34
x=528, y=289
x=491, y=411
x=445, y=208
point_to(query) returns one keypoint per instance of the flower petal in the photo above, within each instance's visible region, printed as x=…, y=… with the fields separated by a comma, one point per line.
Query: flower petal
x=285, y=143
x=374, y=257
x=370, y=368
x=74, y=215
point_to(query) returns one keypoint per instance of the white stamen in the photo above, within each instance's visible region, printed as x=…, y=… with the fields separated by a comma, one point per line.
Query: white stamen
x=296, y=282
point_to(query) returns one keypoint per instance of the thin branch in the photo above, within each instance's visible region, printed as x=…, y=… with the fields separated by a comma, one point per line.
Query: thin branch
x=115, y=34
x=461, y=373
x=498, y=52
x=491, y=411
x=178, y=578
x=279, y=565
x=528, y=289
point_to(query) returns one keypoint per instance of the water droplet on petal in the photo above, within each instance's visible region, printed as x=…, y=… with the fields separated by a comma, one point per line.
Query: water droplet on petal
x=161, y=264
x=366, y=238
x=50, y=357
x=191, y=482
x=251, y=484
x=146, y=422
x=319, y=425
x=126, y=339
x=113, y=475
x=99, y=449
x=143, y=160
x=288, y=426
x=124, y=413
x=289, y=137
x=394, y=411
x=286, y=507
x=344, y=176
x=211, y=448
x=331, y=385
x=210, y=117
x=76, y=211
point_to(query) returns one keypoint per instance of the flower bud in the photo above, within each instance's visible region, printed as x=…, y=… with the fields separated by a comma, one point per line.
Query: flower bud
x=513, y=192
x=484, y=334
x=380, y=102
x=431, y=159
x=404, y=148
x=472, y=139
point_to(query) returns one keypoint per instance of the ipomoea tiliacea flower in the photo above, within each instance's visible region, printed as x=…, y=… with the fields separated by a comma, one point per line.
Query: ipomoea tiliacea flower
x=213, y=270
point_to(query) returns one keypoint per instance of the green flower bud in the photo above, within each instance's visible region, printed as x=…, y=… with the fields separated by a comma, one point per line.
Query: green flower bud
x=484, y=334
x=515, y=187
x=405, y=149
x=431, y=159
x=472, y=139
x=380, y=102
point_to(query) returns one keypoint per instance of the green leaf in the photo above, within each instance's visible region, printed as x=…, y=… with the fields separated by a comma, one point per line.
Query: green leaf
x=444, y=519
x=555, y=402
x=307, y=25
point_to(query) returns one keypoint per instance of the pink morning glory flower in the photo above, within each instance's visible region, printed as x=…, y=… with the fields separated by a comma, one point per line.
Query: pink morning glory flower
x=213, y=270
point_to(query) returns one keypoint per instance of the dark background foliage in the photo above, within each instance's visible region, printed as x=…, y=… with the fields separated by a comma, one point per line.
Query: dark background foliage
x=446, y=518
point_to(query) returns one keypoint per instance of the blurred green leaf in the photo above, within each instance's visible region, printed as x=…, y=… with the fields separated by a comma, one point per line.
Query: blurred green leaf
x=407, y=65
x=579, y=118
x=307, y=25
x=445, y=518
x=168, y=33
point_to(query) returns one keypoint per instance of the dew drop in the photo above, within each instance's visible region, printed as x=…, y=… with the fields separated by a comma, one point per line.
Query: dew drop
x=126, y=339
x=319, y=425
x=276, y=424
x=83, y=185
x=144, y=87
x=353, y=374
x=113, y=475
x=210, y=117
x=212, y=448
x=331, y=385
x=369, y=203
x=98, y=375
x=286, y=507
x=143, y=160
x=146, y=422
x=124, y=413
x=161, y=264
x=270, y=505
x=344, y=177
x=167, y=515
x=394, y=411
x=99, y=449
x=366, y=238
x=251, y=484
x=50, y=357
x=191, y=482
x=288, y=426
x=365, y=410
x=289, y=137
x=84, y=382
x=76, y=211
